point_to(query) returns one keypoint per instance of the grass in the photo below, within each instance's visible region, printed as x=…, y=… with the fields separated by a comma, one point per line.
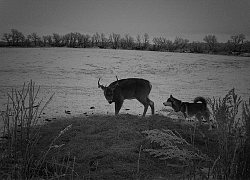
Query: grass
x=113, y=147
x=124, y=146
x=233, y=137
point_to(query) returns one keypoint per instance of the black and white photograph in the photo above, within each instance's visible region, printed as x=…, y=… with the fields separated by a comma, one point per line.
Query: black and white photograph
x=124, y=89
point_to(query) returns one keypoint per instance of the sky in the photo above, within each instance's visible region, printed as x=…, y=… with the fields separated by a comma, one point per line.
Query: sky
x=189, y=19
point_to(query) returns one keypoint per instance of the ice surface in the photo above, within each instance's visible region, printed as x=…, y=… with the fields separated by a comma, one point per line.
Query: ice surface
x=72, y=74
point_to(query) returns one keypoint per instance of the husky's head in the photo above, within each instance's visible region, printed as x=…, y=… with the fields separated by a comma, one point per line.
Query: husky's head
x=174, y=103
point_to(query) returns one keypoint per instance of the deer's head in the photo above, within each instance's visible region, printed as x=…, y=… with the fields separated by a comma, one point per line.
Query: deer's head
x=108, y=90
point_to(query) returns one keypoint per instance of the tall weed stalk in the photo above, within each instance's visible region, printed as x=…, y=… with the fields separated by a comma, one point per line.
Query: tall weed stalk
x=233, y=136
x=20, y=133
x=243, y=156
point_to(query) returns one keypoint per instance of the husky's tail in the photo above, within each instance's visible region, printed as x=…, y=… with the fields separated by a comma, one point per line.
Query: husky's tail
x=201, y=99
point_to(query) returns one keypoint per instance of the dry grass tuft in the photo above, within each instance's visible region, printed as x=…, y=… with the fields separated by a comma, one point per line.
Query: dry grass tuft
x=21, y=156
x=233, y=137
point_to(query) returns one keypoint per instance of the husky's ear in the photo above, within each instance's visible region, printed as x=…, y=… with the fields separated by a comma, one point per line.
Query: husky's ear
x=171, y=96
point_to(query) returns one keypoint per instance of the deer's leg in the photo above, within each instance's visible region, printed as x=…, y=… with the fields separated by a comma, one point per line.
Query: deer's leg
x=118, y=105
x=145, y=109
x=145, y=104
x=151, y=104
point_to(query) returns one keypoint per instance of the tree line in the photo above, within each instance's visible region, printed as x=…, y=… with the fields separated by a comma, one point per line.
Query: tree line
x=237, y=44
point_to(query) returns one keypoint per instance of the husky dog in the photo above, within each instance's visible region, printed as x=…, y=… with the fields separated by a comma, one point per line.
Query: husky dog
x=198, y=110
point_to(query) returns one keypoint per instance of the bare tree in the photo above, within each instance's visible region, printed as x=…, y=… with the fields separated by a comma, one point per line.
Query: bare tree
x=19, y=37
x=97, y=38
x=162, y=44
x=13, y=36
x=247, y=46
x=57, y=39
x=159, y=43
x=123, y=43
x=16, y=36
x=79, y=38
x=44, y=40
x=86, y=40
x=93, y=40
x=211, y=40
x=196, y=47
x=111, y=41
x=180, y=43
x=66, y=40
x=146, y=40
x=238, y=42
x=130, y=42
x=114, y=39
x=50, y=39
x=166, y=44
x=126, y=40
x=28, y=40
x=72, y=39
x=117, y=38
x=35, y=38
x=103, y=40
x=22, y=39
x=63, y=41
x=138, y=41
x=7, y=37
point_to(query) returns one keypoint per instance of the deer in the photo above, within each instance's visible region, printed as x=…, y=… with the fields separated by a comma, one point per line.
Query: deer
x=130, y=88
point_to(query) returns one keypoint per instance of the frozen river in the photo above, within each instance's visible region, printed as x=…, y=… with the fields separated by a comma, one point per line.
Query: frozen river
x=72, y=74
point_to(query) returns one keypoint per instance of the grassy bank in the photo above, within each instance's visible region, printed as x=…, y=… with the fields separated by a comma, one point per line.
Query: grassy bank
x=124, y=146
x=111, y=147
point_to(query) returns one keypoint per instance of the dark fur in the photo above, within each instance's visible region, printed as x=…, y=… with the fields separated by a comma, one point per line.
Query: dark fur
x=131, y=88
x=198, y=110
